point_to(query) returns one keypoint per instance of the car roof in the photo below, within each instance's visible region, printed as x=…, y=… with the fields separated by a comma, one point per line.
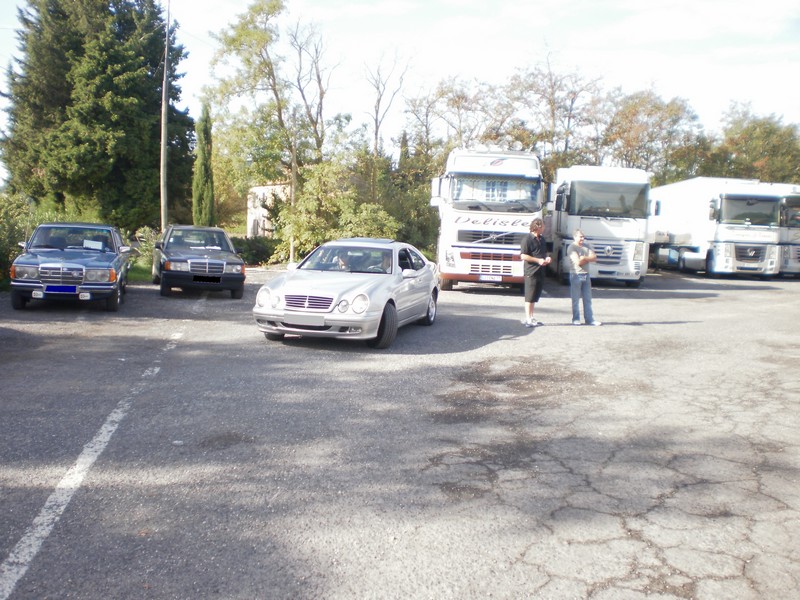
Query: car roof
x=76, y=224
x=197, y=227
x=362, y=241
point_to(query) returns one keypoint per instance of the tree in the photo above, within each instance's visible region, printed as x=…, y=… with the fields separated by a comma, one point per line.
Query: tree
x=756, y=148
x=645, y=131
x=84, y=109
x=203, y=180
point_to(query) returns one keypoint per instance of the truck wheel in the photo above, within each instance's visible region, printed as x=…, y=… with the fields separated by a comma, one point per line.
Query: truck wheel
x=445, y=284
x=710, y=265
x=563, y=278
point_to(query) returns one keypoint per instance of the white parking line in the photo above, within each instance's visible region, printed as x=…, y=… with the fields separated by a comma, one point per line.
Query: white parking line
x=19, y=560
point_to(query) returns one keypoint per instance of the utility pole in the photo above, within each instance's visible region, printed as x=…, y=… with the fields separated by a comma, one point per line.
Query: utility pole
x=164, y=138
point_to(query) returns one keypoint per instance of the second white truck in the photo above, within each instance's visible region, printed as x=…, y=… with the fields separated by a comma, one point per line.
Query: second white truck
x=610, y=205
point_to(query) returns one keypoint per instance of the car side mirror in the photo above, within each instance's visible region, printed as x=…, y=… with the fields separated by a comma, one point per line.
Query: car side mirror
x=158, y=245
x=409, y=273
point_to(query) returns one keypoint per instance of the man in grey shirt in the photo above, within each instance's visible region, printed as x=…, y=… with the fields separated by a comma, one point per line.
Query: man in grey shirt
x=580, y=283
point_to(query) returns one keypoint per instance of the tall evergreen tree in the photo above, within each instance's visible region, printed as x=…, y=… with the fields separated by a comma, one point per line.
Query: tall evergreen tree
x=203, y=179
x=85, y=105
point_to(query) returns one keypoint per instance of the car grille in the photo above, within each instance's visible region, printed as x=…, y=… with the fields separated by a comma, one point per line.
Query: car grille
x=207, y=267
x=58, y=274
x=308, y=302
x=752, y=254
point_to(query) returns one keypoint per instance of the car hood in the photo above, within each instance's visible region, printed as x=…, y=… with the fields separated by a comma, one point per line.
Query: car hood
x=202, y=254
x=334, y=284
x=86, y=258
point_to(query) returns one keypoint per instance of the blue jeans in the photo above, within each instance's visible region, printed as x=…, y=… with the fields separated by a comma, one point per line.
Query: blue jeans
x=580, y=287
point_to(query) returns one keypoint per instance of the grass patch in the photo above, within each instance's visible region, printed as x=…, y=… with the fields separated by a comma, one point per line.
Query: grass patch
x=140, y=273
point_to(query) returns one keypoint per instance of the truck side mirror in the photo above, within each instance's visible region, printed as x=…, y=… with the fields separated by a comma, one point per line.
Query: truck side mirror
x=713, y=210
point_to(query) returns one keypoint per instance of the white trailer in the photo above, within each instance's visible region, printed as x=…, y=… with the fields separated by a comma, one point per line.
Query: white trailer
x=717, y=225
x=789, y=238
x=610, y=205
x=486, y=202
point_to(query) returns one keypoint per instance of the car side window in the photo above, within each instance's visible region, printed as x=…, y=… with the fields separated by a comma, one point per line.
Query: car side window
x=404, y=260
x=416, y=260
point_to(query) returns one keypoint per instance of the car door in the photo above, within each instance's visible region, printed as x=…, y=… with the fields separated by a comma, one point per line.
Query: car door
x=416, y=286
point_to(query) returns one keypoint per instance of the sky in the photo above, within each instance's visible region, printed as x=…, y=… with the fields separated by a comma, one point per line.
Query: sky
x=709, y=52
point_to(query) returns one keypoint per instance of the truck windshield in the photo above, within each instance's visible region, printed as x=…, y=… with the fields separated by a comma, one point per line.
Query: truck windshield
x=496, y=194
x=790, y=213
x=601, y=199
x=749, y=210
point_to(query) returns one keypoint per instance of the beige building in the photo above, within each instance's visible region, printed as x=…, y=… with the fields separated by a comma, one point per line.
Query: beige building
x=258, y=199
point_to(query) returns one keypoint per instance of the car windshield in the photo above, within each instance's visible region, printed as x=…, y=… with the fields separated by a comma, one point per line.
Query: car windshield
x=352, y=259
x=198, y=239
x=62, y=238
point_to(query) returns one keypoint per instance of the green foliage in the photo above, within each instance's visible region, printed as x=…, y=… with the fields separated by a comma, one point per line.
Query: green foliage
x=84, y=110
x=327, y=208
x=146, y=238
x=255, y=251
x=203, y=180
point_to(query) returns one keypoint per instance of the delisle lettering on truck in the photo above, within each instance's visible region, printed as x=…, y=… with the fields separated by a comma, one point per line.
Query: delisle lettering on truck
x=493, y=222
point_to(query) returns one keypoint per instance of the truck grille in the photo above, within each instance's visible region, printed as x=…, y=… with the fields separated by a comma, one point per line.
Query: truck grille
x=608, y=254
x=59, y=274
x=751, y=254
x=309, y=302
x=207, y=267
x=477, y=269
x=495, y=238
x=494, y=256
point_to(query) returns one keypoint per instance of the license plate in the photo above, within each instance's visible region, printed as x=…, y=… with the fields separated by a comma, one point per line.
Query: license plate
x=205, y=279
x=303, y=319
x=61, y=289
x=491, y=278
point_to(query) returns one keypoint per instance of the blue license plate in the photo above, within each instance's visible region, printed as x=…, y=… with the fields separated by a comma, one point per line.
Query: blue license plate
x=61, y=289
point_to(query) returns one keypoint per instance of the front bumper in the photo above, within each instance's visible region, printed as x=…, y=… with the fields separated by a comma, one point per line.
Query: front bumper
x=188, y=280
x=93, y=291
x=328, y=325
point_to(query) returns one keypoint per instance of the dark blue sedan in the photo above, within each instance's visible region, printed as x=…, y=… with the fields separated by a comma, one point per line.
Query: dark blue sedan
x=71, y=261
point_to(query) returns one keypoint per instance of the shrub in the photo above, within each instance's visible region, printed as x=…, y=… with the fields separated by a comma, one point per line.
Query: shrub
x=255, y=250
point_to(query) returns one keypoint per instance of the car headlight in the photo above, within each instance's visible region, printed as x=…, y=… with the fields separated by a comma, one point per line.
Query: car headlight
x=263, y=297
x=360, y=303
x=100, y=275
x=176, y=266
x=24, y=272
x=234, y=268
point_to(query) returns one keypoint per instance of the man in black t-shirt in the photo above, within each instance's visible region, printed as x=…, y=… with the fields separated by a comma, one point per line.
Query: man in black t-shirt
x=533, y=252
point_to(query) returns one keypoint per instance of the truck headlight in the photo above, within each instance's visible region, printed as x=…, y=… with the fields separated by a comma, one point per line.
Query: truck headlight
x=449, y=258
x=638, y=252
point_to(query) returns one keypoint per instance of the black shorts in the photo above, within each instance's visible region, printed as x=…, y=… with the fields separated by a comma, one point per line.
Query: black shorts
x=533, y=286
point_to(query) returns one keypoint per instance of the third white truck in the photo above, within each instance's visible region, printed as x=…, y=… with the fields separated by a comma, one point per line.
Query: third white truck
x=718, y=225
x=610, y=205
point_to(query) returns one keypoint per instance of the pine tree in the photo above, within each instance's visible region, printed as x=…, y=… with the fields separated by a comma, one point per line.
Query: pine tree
x=203, y=179
x=85, y=105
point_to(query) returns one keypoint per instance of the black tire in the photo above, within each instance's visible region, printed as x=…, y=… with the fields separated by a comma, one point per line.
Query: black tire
x=113, y=302
x=387, y=330
x=710, y=265
x=635, y=283
x=164, y=289
x=445, y=284
x=274, y=337
x=156, y=275
x=561, y=276
x=238, y=293
x=430, y=314
x=18, y=301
